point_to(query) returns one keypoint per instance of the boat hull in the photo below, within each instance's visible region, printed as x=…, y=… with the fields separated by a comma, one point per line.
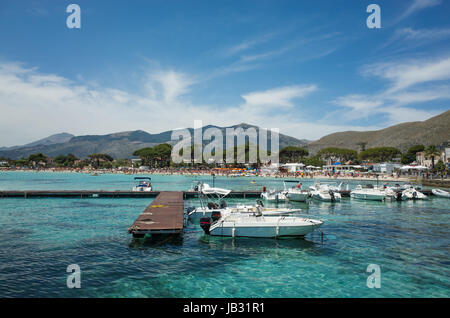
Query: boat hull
x=367, y=196
x=297, y=197
x=262, y=231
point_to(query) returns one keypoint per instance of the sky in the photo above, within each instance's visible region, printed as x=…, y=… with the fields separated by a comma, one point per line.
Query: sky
x=309, y=68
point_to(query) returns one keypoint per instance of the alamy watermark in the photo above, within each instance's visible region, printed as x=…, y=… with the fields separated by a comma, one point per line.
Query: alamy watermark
x=374, y=279
x=73, y=21
x=74, y=279
x=374, y=20
x=240, y=145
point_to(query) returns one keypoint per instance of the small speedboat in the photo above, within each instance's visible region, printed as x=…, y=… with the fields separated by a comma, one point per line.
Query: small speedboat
x=323, y=192
x=205, y=192
x=393, y=193
x=295, y=193
x=143, y=184
x=413, y=194
x=257, y=225
x=273, y=195
x=368, y=192
x=441, y=193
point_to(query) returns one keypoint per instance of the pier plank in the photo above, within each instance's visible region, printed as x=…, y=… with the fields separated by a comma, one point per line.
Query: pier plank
x=163, y=216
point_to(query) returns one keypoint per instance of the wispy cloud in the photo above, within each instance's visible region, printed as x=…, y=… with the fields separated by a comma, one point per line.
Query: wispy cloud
x=36, y=104
x=248, y=44
x=416, y=6
x=278, y=97
x=403, y=79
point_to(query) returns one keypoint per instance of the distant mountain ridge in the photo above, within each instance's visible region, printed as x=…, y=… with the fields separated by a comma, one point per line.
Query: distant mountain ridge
x=50, y=140
x=434, y=131
x=118, y=145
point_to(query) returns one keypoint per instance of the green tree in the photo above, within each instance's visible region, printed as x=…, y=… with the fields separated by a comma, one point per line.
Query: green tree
x=433, y=152
x=37, y=157
x=292, y=154
x=342, y=154
x=410, y=155
x=379, y=154
x=96, y=158
x=65, y=161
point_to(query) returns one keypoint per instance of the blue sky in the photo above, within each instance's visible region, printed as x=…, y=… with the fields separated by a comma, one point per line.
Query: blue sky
x=309, y=68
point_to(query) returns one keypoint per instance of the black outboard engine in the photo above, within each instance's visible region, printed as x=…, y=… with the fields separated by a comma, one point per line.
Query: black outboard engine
x=414, y=195
x=398, y=196
x=212, y=205
x=215, y=215
x=190, y=209
x=259, y=202
x=223, y=204
x=205, y=224
x=332, y=196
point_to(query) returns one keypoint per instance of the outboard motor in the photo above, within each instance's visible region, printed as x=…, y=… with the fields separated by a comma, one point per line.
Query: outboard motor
x=190, y=209
x=414, y=195
x=223, y=204
x=212, y=205
x=205, y=224
x=259, y=203
x=398, y=196
x=332, y=196
x=215, y=215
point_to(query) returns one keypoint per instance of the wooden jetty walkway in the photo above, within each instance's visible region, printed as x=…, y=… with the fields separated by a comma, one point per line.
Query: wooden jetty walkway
x=163, y=216
x=130, y=194
x=108, y=194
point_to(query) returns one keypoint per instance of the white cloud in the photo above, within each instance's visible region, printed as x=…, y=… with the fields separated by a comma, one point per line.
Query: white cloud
x=403, y=77
x=418, y=5
x=279, y=97
x=407, y=74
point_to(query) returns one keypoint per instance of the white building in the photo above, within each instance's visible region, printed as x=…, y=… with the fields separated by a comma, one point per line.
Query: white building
x=293, y=167
x=386, y=167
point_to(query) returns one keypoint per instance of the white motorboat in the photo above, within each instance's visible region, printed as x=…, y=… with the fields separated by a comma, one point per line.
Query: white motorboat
x=441, y=193
x=413, y=194
x=323, y=192
x=368, y=192
x=273, y=195
x=295, y=193
x=393, y=193
x=206, y=210
x=257, y=225
x=143, y=184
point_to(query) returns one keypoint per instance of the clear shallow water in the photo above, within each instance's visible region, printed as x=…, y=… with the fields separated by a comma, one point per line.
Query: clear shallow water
x=39, y=238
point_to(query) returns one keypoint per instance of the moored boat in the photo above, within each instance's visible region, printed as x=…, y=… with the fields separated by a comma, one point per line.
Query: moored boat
x=273, y=195
x=323, y=192
x=257, y=225
x=413, y=194
x=441, y=193
x=369, y=192
x=295, y=193
x=143, y=184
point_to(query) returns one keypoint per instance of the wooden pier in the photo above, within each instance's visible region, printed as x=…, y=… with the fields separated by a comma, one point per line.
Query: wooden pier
x=108, y=194
x=163, y=216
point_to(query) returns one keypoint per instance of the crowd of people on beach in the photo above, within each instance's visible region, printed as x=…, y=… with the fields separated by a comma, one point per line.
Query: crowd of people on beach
x=305, y=174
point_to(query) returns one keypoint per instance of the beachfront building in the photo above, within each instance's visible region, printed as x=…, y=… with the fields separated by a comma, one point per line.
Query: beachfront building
x=446, y=156
x=337, y=167
x=293, y=167
x=386, y=167
x=423, y=160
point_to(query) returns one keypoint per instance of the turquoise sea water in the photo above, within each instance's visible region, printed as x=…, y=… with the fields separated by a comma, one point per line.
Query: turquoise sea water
x=40, y=237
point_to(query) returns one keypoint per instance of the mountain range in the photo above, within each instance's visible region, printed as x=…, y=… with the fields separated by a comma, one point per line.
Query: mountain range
x=434, y=131
x=117, y=145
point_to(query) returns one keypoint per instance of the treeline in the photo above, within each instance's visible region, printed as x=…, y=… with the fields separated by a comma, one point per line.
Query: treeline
x=160, y=156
